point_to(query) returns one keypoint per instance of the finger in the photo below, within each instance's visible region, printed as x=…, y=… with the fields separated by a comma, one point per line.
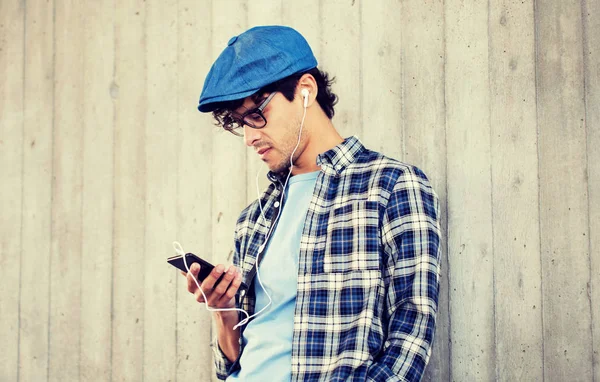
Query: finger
x=233, y=287
x=198, y=295
x=192, y=276
x=195, y=269
x=211, y=279
x=222, y=286
x=218, y=288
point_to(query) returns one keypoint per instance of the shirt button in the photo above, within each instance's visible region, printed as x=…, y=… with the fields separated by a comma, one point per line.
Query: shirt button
x=276, y=204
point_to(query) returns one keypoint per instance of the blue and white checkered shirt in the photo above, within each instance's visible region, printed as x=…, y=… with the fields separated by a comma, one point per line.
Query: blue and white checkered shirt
x=369, y=267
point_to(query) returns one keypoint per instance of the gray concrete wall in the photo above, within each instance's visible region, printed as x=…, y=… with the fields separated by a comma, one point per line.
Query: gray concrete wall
x=104, y=161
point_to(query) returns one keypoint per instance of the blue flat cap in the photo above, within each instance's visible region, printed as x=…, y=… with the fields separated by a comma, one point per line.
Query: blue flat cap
x=252, y=60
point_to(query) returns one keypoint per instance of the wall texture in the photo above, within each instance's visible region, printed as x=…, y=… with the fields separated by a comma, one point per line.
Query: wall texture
x=105, y=161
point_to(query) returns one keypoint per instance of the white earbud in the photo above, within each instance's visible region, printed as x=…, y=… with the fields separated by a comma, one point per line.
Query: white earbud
x=305, y=95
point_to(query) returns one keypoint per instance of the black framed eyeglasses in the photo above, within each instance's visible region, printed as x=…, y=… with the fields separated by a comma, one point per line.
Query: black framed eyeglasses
x=253, y=118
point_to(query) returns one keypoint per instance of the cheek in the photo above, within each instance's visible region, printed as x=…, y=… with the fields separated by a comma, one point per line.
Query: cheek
x=282, y=132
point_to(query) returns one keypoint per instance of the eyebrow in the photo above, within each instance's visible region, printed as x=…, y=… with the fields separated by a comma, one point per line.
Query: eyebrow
x=258, y=99
x=235, y=114
x=257, y=102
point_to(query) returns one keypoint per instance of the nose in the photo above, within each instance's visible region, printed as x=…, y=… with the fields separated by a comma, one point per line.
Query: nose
x=251, y=135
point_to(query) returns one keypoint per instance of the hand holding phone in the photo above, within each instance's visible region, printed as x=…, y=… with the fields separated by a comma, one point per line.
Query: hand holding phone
x=219, y=284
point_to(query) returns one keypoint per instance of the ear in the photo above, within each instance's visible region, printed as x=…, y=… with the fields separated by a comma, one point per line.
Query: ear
x=307, y=83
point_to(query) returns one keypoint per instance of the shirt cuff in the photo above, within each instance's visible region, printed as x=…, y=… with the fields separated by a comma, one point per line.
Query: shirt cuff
x=222, y=364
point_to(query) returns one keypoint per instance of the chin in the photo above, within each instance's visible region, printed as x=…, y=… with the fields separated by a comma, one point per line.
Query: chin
x=278, y=168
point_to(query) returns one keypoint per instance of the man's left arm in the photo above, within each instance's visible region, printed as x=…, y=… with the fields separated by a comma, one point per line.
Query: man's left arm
x=410, y=236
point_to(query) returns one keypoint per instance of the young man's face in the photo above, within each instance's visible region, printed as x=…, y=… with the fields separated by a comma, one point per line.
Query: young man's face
x=275, y=142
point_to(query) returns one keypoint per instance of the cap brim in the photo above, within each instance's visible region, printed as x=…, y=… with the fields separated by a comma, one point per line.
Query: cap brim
x=209, y=104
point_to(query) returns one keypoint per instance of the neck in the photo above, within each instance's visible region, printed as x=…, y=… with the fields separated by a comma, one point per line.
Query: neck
x=321, y=137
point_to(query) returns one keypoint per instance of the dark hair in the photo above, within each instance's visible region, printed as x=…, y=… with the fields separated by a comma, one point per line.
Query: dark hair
x=286, y=86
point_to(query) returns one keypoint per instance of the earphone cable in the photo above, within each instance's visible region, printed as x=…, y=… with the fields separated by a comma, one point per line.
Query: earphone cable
x=262, y=247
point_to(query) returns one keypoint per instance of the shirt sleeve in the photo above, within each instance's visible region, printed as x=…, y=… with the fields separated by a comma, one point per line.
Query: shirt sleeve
x=222, y=364
x=411, y=243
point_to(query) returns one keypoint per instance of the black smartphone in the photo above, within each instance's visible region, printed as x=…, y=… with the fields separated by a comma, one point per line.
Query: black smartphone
x=205, y=267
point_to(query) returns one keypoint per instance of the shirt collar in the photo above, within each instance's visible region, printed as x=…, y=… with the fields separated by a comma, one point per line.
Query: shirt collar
x=333, y=161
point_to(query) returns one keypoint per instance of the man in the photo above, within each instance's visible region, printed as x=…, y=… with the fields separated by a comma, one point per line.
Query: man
x=341, y=252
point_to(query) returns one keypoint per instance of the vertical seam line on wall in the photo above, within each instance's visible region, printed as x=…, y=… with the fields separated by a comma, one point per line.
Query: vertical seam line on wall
x=537, y=124
x=145, y=164
x=112, y=265
x=447, y=199
x=23, y=82
x=247, y=153
x=402, y=93
x=212, y=371
x=321, y=44
x=584, y=44
x=177, y=160
x=52, y=183
x=360, y=70
x=210, y=189
x=360, y=79
x=495, y=330
x=212, y=245
x=80, y=24
x=446, y=191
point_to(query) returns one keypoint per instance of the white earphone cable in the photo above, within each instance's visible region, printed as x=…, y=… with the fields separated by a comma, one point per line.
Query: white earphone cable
x=179, y=249
x=262, y=247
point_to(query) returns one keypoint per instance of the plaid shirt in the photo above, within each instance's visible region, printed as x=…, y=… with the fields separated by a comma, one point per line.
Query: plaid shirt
x=368, y=269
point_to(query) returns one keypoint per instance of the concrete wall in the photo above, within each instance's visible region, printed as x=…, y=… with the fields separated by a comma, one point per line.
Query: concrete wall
x=104, y=161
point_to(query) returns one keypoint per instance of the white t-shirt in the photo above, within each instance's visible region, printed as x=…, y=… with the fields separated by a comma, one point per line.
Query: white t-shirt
x=267, y=339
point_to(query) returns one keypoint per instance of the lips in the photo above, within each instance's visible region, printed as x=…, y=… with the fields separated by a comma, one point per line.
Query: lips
x=263, y=150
